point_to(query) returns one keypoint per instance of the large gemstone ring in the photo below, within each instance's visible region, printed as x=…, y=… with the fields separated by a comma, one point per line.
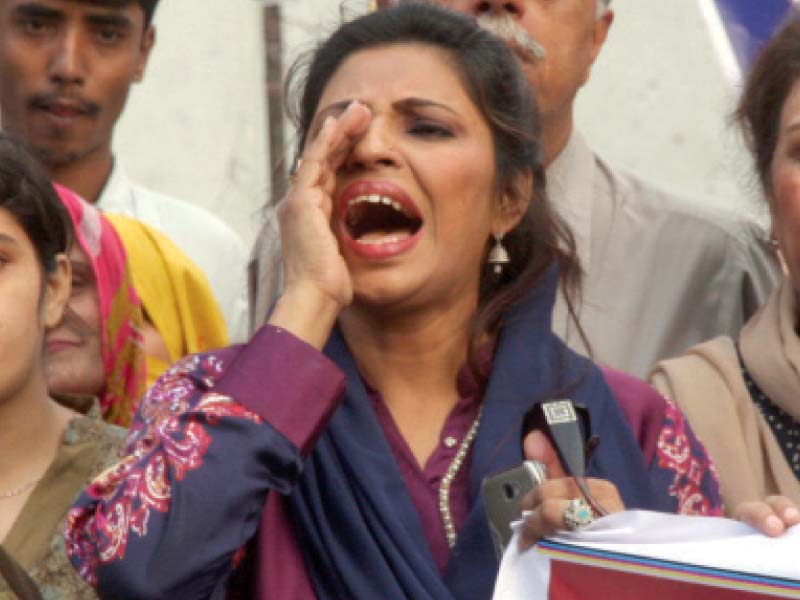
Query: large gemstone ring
x=578, y=514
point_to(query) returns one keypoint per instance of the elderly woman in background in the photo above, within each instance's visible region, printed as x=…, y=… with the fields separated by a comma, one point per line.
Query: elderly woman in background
x=97, y=349
x=181, y=315
x=742, y=397
x=50, y=445
x=346, y=443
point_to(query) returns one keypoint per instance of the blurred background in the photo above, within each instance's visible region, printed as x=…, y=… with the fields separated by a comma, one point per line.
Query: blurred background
x=199, y=127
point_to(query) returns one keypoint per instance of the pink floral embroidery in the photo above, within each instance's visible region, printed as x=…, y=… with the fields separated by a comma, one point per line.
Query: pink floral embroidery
x=690, y=466
x=168, y=439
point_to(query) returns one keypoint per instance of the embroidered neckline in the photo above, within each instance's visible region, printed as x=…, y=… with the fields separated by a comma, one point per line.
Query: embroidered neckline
x=447, y=481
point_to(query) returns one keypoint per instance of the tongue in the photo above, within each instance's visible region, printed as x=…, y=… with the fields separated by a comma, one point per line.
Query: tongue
x=384, y=237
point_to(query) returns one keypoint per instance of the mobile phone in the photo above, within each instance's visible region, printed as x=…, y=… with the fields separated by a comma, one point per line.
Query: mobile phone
x=502, y=494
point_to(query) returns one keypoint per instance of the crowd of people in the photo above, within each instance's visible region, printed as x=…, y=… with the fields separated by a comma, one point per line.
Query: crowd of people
x=450, y=253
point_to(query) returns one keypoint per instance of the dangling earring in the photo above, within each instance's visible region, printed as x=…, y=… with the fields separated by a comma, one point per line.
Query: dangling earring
x=498, y=255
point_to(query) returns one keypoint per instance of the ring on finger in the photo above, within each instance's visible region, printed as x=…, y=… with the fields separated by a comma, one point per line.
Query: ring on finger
x=578, y=514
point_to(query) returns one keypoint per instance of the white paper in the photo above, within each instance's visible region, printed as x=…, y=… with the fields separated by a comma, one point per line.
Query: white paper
x=702, y=541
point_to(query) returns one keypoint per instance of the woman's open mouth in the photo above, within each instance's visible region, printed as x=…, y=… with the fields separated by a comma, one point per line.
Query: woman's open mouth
x=378, y=219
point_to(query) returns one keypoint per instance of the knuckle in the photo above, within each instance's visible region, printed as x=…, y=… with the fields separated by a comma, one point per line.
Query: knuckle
x=549, y=488
x=530, y=500
x=602, y=487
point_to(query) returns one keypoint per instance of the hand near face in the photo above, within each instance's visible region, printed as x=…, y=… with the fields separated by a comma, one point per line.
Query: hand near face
x=317, y=284
x=548, y=501
x=772, y=516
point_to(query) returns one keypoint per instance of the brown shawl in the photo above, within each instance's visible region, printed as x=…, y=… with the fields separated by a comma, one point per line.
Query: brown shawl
x=708, y=386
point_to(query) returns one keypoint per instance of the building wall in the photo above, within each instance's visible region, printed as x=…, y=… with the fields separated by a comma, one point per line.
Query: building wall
x=659, y=102
x=195, y=128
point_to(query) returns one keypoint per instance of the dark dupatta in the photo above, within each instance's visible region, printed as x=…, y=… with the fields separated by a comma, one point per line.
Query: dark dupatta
x=353, y=517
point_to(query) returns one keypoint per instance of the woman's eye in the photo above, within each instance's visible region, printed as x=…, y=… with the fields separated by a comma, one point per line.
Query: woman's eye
x=430, y=129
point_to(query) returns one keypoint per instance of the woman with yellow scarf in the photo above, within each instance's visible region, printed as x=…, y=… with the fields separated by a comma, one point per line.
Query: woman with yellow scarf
x=181, y=314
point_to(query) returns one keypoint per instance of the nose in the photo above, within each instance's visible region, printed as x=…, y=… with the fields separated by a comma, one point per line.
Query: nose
x=514, y=8
x=68, y=63
x=372, y=150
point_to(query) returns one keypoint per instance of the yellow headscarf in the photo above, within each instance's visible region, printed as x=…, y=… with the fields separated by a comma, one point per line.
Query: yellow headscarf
x=175, y=294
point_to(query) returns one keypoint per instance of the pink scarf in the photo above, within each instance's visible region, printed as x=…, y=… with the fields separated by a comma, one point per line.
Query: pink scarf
x=120, y=309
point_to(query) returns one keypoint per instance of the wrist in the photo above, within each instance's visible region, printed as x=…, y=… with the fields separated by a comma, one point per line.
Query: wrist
x=306, y=312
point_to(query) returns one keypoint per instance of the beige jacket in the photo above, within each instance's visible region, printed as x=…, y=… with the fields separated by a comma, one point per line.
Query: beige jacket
x=663, y=272
x=708, y=385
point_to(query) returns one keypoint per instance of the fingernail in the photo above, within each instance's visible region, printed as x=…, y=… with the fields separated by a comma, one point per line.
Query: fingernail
x=327, y=123
x=791, y=514
x=351, y=107
x=774, y=524
x=524, y=514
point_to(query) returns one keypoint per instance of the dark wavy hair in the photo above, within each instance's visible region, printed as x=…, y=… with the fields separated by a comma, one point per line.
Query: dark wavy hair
x=26, y=193
x=771, y=79
x=496, y=85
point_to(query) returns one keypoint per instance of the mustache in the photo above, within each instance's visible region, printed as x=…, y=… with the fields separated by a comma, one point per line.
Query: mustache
x=48, y=99
x=507, y=29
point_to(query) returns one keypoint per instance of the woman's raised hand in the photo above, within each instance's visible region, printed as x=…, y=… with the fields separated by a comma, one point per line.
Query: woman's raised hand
x=317, y=284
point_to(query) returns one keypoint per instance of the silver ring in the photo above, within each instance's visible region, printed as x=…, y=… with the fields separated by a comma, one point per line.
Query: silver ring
x=578, y=514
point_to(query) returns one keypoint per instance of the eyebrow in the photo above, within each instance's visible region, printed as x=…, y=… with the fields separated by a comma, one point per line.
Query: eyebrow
x=7, y=239
x=412, y=104
x=406, y=105
x=32, y=9
x=112, y=19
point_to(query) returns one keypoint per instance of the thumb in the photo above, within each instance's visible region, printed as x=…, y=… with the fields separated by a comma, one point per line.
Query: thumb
x=537, y=447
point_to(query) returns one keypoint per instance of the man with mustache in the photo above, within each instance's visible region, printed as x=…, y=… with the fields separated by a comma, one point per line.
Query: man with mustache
x=66, y=67
x=662, y=272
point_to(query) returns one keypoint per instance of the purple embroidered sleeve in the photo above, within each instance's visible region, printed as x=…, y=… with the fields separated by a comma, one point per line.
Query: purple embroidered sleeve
x=678, y=461
x=695, y=483
x=171, y=519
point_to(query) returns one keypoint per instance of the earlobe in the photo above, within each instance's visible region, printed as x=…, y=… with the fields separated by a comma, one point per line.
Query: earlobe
x=58, y=285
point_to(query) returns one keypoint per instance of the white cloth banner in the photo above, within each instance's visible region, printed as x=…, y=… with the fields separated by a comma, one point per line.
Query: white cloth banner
x=648, y=538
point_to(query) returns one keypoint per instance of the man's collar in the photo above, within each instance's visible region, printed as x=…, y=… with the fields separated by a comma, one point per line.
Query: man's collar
x=116, y=189
x=570, y=189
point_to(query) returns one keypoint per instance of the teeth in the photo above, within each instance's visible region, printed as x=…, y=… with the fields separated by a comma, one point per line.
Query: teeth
x=390, y=239
x=378, y=199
